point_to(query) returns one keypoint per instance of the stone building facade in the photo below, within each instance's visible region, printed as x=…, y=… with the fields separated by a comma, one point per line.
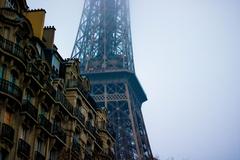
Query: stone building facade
x=46, y=112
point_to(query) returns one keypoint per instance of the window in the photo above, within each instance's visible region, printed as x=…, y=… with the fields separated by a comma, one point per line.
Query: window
x=7, y=117
x=23, y=133
x=53, y=154
x=2, y=71
x=56, y=123
x=90, y=118
x=55, y=64
x=3, y=154
x=29, y=96
x=40, y=146
x=43, y=110
x=12, y=79
x=76, y=136
x=79, y=103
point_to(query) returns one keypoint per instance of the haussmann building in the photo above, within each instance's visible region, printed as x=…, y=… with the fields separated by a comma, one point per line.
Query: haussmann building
x=46, y=111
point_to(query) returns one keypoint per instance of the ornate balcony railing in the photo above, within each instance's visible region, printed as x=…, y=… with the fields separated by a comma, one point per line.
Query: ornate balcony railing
x=59, y=132
x=10, y=88
x=90, y=127
x=12, y=48
x=60, y=97
x=30, y=109
x=7, y=133
x=45, y=123
x=23, y=148
x=79, y=115
x=39, y=156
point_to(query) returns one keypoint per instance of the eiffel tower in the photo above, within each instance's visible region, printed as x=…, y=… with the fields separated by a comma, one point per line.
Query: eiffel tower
x=104, y=48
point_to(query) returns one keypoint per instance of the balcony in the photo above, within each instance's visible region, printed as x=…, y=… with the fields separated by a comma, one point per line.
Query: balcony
x=23, y=148
x=45, y=123
x=31, y=111
x=33, y=71
x=90, y=127
x=79, y=115
x=59, y=132
x=11, y=89
x=7, y=133
x=60, y=97
x=12, y=48
x=39, y=156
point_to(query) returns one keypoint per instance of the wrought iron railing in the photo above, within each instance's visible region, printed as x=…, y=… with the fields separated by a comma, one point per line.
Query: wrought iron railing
x=59, y=132
x=12, y=48
x=79, y=115
x=45, y=123
x=10, y=88
x=39, y=156
x=7, y=132
x=30, y=109
x=23, y=148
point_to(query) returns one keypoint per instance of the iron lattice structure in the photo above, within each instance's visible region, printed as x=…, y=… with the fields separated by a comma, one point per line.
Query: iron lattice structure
x=104, y=47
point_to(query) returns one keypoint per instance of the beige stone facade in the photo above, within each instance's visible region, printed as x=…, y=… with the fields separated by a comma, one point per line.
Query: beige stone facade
x=46, y=112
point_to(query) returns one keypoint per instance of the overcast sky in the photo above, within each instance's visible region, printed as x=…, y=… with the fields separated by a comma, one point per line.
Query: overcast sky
x=187, y=55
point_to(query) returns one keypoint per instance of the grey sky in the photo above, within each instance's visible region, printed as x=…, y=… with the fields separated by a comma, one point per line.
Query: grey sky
x=187, y=56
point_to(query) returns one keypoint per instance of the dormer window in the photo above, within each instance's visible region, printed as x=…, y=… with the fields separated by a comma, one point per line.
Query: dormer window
x=11, y=4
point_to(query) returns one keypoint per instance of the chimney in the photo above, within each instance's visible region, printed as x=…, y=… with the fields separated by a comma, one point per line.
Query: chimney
x=48, y=36
x=37, y=18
